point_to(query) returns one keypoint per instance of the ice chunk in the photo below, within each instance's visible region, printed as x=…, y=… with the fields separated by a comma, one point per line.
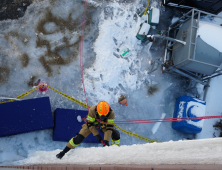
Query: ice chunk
x=26, y=40
x=157, y=125
x=200, y=88
x=174, y=19
x=79, y=118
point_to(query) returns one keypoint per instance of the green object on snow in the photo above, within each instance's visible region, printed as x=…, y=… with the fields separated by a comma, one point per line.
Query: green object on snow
x=125, y=52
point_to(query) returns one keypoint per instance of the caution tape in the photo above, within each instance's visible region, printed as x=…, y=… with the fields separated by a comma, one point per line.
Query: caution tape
x=84, y=105
x=25, y=94
x=69, y=97
x=21, y=96
x=136, y=135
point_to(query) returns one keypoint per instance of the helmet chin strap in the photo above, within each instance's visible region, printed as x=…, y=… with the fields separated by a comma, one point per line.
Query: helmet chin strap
x=103, y=117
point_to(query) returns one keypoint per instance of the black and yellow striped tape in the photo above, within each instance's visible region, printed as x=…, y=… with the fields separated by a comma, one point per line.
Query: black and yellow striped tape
x=136, y=135
x=84, y=105
x=69, y=97
x=21, y=96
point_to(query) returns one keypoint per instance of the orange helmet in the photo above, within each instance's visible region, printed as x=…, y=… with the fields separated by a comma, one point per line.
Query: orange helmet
x=103, y=108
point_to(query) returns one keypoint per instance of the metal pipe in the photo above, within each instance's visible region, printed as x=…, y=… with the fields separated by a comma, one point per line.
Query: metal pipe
x=185, y=15
x=182, y=73
x=167, y=38
x=212, y=76
x=207, y=13
x=171, y=45
x=191, y=33
x=186, y=75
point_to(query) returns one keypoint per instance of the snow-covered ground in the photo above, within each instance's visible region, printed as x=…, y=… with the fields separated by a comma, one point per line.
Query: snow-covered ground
x=44, y=44
x=202, y=151
x=213, y=107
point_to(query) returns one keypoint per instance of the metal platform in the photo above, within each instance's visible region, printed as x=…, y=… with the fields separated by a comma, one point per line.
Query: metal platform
x=184, y=58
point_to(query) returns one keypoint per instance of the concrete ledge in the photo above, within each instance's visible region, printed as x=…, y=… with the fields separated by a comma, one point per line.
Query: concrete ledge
x=116, y=167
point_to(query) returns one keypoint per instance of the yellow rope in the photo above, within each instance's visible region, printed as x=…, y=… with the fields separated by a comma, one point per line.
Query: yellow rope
x=146, y=8
x=84, y=105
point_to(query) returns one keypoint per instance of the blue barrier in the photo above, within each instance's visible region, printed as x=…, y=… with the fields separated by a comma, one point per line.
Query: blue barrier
x=25, y=116
x=67, y=125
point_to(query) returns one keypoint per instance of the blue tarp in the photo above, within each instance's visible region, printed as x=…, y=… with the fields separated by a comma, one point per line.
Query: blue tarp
x=67, y=125
x=25, y=116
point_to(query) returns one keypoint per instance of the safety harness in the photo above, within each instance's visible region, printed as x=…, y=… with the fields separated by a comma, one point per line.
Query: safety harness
x=98, y=124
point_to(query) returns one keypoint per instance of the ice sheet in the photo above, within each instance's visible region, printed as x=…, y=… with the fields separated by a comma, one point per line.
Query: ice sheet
x=30, y=50
x=156, y=125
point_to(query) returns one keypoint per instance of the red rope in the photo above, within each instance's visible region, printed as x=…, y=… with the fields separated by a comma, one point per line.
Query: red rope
x=128, y=121
x=81, y=50
x=161, y=120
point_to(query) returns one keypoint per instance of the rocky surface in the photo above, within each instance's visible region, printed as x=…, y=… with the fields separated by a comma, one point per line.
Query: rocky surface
x=13, y=9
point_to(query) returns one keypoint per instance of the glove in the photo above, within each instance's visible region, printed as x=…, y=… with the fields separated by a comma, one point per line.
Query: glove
x=99, y=138
x=60, y=155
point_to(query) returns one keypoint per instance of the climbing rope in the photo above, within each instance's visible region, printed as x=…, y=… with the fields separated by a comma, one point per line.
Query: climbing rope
x=126, y=121
x=81, y=51
x=163, y=120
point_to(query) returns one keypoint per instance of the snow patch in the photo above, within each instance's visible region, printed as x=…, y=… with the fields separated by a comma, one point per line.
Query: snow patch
x=108, y=70
x=200, y=90
x=213, y=38
x=79, y=118
x=207, y=151
x=174, y=19
x=156, y=126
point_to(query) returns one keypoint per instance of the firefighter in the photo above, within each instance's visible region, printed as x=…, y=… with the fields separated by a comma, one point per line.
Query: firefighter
x=104, y=113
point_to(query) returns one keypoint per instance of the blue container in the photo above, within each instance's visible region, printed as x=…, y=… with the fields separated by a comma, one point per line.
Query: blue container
x=183, y=108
